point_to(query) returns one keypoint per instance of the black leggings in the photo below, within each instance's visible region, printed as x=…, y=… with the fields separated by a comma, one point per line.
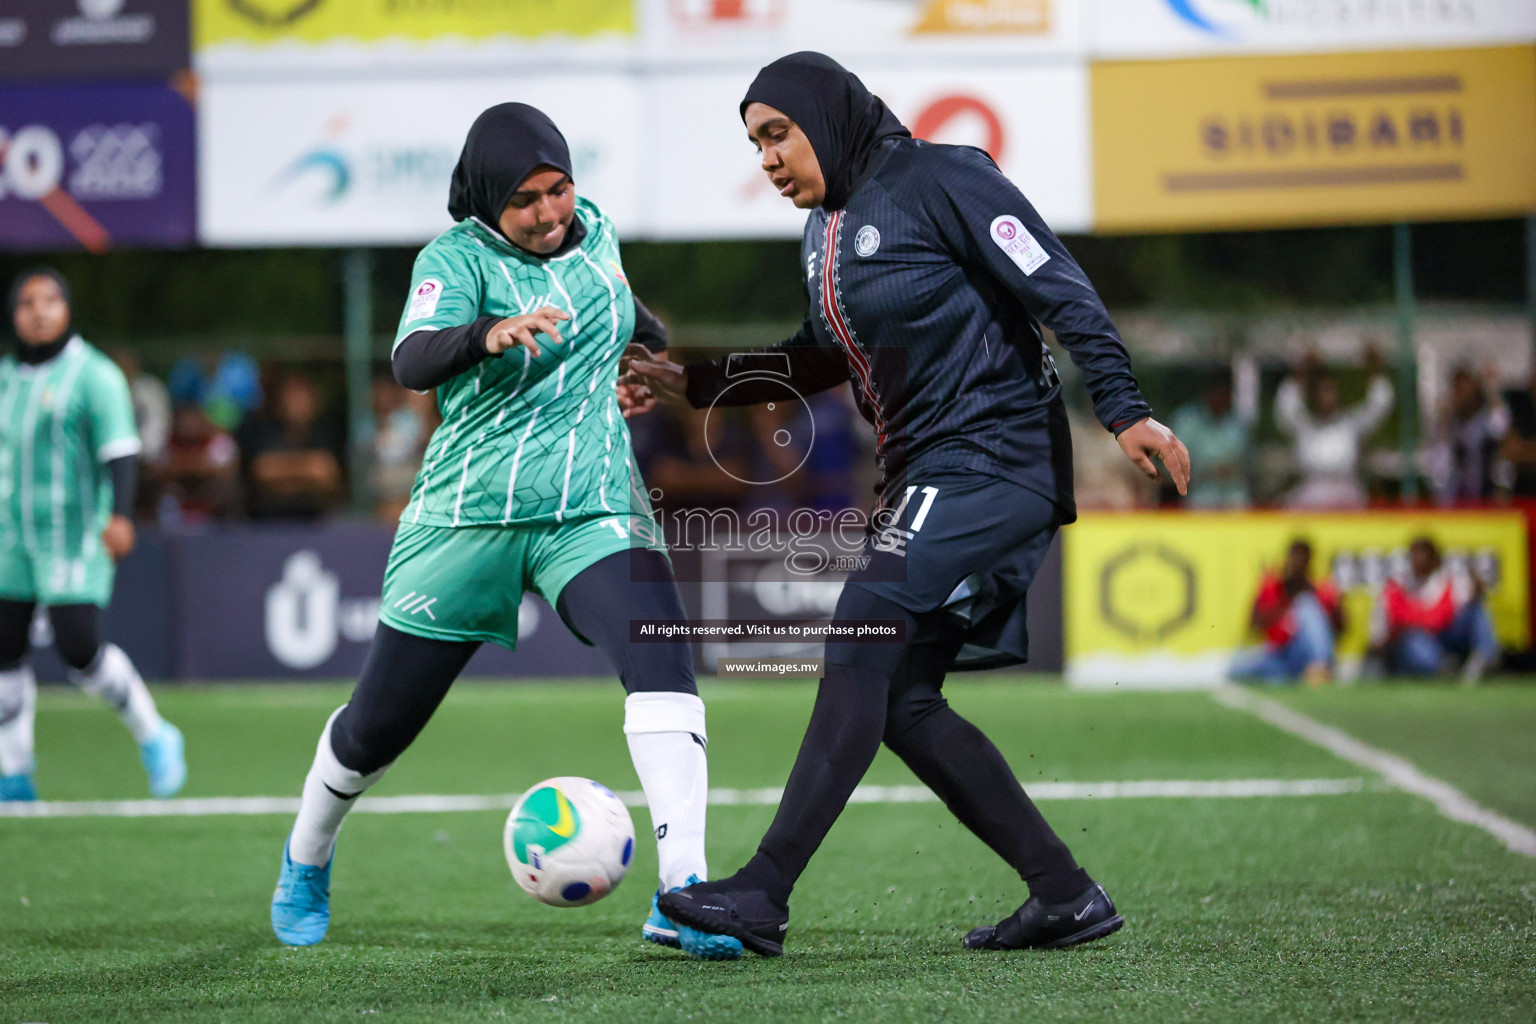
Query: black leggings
x=76, y=632
x=406, y=677
x=890, y=693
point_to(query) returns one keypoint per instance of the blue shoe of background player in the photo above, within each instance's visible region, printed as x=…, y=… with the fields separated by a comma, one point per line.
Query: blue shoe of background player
x=663, y=931
x=301, y=903
x=165, y=761
x=17, y=787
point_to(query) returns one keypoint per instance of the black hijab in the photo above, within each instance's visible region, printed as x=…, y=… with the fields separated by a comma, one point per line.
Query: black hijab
x=844, y=121
x=506, y=143
x=39, y=353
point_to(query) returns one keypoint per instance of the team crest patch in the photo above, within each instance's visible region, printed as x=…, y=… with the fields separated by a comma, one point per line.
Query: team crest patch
x=867, y=240
x=1011, y=236
x=424, y=300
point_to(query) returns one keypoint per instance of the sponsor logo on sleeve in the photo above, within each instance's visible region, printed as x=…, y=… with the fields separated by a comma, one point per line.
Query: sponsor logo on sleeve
x=1014, y=239
x=424, y=300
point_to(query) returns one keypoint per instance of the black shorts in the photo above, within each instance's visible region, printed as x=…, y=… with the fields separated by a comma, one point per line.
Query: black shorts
x=969, y=544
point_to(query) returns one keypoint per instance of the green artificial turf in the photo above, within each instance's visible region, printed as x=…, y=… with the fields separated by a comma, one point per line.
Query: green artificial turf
x=1365, y=906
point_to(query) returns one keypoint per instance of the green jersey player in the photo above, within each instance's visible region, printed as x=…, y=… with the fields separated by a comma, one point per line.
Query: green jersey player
x=68, y=450
x=517, y=317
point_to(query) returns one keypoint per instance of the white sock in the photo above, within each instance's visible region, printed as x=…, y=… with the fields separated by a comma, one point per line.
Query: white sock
x=330, y=791
x=114, y=679
x=666, y=742
x=18, y=710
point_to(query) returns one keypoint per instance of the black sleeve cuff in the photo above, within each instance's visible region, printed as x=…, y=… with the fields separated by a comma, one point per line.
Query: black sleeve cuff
x=427, y=358
x=125, y=484
x=649, y=330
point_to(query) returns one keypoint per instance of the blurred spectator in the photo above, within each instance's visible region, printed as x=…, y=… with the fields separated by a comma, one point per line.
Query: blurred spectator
x=1300, y=622
x=1327, y=436
x=403, y=424
x=198, y=471
x=1432, y=615
x=293, y=465
x=151, y=405
x=227, y=385
x=1465, y=464
x=806, y=455
x=1519, y=448
x=1218, y=426
x=690, y=470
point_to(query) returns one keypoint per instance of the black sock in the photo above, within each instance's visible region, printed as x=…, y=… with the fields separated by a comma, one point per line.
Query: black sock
x=840, y=742
x=956, y=760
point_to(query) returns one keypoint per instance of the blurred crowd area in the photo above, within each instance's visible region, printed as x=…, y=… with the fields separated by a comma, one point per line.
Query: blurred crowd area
x=229, y=437
x=226, y=437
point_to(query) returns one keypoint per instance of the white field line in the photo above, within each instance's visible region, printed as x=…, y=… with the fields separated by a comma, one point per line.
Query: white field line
x=1398, y=772
x=248, y=805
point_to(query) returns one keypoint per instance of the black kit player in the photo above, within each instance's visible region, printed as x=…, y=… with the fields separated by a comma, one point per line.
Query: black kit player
x=929, y=276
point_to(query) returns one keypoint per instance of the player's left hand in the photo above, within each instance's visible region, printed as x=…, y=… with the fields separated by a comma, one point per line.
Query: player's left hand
x=666, y=381
x=119, y=537
x=1147, y=438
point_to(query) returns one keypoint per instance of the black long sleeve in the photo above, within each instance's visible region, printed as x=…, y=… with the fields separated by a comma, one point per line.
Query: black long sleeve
x=649, y=330
x=425, y=359
x=125, y=484
x=792, y=368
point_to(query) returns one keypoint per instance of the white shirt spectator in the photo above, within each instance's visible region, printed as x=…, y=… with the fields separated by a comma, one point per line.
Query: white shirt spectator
x=1327, y=450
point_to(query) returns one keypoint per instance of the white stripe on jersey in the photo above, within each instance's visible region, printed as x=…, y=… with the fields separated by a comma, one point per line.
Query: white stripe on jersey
x=517, y=456
x=502, y=266
x=458, y=502
x=565, y=491
x=60, y=413
x=426, y=478
x=570, y=307
x=28, y=434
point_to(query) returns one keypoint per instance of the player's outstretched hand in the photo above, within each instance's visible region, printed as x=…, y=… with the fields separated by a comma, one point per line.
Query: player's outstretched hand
x=667, y=381
x=520, y=330
x=118, y=538
x=1147, y=438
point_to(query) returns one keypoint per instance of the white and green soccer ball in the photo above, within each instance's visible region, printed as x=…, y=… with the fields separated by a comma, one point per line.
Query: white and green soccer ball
x=569, y=841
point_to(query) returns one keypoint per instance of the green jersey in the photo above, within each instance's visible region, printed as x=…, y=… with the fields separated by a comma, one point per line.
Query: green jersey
x=527, y=439
x=60, y=422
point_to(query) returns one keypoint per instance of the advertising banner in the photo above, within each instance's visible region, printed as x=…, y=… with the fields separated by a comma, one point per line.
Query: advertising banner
x=304, y=602
x=1282, y=141
x=95, y=167
x=348, y=163
x=1034, y=122
x=757, y=31
x=95, y=39
x=387, y=35
x=1166, y=598
x=1183, y=28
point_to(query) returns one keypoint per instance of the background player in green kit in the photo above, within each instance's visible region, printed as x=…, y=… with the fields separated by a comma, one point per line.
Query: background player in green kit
x=529, y=483
x=68, y=450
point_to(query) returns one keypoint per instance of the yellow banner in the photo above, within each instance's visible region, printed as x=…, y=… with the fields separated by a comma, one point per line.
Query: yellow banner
x=1181, y=585
x=1276, y=141
x=367, y=21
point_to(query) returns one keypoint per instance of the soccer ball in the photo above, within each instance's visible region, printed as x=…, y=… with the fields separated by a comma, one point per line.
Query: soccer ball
x=569, y=841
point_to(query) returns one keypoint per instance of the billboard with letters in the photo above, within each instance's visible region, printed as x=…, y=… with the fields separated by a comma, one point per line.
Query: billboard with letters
x=1275, y=141
x=93, y=39
x=1165, y=598
x=95, y=166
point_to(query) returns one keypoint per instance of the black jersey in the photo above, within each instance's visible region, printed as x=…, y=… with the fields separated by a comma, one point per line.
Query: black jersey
x=928, y=290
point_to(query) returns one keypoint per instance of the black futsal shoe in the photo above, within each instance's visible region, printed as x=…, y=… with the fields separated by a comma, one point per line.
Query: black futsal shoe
x=1038, y=925
x=726, y=908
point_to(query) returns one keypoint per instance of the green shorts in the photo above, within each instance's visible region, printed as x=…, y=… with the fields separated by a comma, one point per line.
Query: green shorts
x=467, y=582
x=48, y=578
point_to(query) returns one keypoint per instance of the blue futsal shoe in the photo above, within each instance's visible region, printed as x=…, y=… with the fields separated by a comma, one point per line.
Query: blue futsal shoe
x=165, y=761
x=18, y=788
x=663, y=931
x=301, y=903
